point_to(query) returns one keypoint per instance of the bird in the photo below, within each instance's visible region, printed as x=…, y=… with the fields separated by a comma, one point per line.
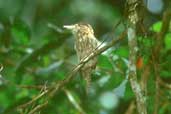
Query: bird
x=85, y=44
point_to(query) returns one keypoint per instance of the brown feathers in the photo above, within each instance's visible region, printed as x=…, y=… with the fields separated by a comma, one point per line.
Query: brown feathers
x=85, y=44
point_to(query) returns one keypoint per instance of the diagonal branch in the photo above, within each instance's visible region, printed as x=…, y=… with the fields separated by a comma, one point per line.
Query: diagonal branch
x=73, y=101
x=50, y=92
x=81, y=64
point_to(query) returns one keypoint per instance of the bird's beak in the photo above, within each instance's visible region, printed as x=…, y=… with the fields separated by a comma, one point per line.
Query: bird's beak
x=69, y=27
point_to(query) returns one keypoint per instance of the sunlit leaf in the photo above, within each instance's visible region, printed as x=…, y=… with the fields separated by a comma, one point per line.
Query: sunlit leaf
x=122, y=52
x=167, y=41
x=156, y=27
x=46, y=60
x=103, y=61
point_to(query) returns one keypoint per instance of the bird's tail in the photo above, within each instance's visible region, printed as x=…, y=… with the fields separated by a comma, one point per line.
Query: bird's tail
x=87, y=77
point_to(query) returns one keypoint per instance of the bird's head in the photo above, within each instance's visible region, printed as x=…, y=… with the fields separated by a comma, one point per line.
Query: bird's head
x=80, y=29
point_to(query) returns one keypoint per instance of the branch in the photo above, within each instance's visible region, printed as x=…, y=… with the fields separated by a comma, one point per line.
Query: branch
x=81, y=64
x=131, y=108
x=33, y=100
x=164, y=84
x=38, y=87
x=156, y=54
x=73, y=101
x=50, y=91
x=38, y=107
x=132, y=43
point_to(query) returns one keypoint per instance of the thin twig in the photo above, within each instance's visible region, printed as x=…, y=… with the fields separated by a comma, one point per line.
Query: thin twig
x=59, y=85
x=81, y=64
x=33, y=100
x=164, y=84
x=73, y=101
x=131, y=108
x=31, y=86
x=37, y=108
x=156, y=54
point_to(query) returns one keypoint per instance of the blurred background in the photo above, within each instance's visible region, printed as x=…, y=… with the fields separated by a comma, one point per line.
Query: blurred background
x=36, y=50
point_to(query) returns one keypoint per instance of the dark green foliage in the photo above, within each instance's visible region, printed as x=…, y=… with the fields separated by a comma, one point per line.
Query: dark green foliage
x=34, y=54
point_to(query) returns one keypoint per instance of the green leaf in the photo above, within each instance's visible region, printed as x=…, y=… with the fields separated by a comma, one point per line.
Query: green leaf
x=103, y=61
x=114, y=81
x=122, y=52
x=128, y=93
x=27, y=79
x=156, y=27
x=22, y=93
x=21, y=33
x=164, y=109
x=61, y=75
x=147, y=42
x=46, y=60
x=167, y=41
x=165, y=74
x=5, y=101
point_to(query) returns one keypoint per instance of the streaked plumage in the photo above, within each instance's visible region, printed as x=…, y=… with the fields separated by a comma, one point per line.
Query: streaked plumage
x=85, y=44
